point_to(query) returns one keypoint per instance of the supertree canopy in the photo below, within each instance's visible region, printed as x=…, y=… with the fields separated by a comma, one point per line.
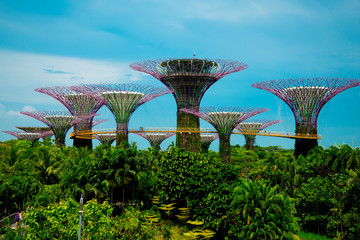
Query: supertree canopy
x=30, y=136
x=122, y=100
x=190, y=78
x=224, y=120
x=59, y=122
x=106, y=138
x=306, y=97
x=154, y=138
x=254, y=125
x=78, y=104
x=206, y=139
x=34, y=129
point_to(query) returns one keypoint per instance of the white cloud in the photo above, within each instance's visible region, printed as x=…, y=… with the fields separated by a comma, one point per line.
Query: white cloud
x=28, y=108
x=21, y=73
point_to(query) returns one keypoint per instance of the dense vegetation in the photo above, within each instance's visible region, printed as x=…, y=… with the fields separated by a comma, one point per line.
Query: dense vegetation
x=145, y=194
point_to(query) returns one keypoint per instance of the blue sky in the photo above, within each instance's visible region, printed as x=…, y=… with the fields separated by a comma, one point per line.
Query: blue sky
x=68, y=42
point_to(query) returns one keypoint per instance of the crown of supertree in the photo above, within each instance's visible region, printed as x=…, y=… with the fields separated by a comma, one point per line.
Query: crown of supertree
x=190, y=78
x=121, y=99
x=306, y=96
x=254, y=125
x=34, y=129
x=106, y=138
x=30, y=136
x=225, y=119
x=155, y=139
x=59, y=122
x=208, y=137
x=77, y=103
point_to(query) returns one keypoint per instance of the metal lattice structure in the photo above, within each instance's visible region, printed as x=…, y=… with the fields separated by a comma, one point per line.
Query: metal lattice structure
x=122, y=100
x=224, y=120
x=30, y=136
x=254, y=125
x=78, y=104
x=206, y=139
x=155, y=139
x=59, y=122
x=306, y=97
x=106, y=138
x=190, y=79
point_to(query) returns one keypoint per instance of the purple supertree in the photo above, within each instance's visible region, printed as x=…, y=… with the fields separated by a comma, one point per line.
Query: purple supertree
x=190, y=79
x=30, y=136
x=106, y=138
x=254, y=126
x=206, y=139
x=78, y=104
x=154, y=138
x=122, y=100
x=224, y=120
x=59, y=122
x=306, y=97
x=37, y=130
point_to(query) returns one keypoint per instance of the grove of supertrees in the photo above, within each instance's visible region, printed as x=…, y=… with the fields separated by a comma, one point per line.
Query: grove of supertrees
x=254, y=125
x=122, y=100
x=106, y=138
x=78, y=104
x=190, y=79
x=306, y=97
x=30, y=136
x=224, y=120
x=206, y=139
x=59, y=122
x=155, y=138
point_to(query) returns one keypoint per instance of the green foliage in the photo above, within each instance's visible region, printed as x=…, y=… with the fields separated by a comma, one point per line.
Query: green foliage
x=61, y=221
x=257, y=212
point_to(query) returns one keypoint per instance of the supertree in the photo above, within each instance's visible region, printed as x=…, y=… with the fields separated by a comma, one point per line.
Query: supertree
x=224, y=120
x=59, y=122
x=122, y=100
x=37, y=130
x=106, y=138
x=306, y=97
x=254, y=125
x=190, y=79
x=154, y=138
x=206, y=139
x=30, y=136
x=78, y=104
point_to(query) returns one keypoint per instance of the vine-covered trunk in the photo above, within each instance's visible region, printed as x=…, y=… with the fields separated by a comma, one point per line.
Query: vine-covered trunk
x=304, y=145
x=205, y=147
x=60, y=141
x=121, y=134
x=190, y=141
x=224, y=148
x=250, y=141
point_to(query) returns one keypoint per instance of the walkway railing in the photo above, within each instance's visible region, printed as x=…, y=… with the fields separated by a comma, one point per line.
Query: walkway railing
x=90, y=134
x=11, y=218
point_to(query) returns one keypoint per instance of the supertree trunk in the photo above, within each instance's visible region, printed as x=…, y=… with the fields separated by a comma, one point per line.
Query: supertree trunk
x=303, y=145
x=205, y=147
x=60, y=141
x=121, y=134
x=189, y=141
x=224, y=148
x=82, y=142
x=250, y=141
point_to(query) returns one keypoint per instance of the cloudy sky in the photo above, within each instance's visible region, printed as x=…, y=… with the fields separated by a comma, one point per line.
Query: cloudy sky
x=68, y=42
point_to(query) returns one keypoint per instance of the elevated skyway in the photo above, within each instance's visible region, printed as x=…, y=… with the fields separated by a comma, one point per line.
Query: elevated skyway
x=90, y=134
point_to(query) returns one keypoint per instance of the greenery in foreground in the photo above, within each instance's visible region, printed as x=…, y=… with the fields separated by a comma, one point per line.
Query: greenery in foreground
x=146, y=194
